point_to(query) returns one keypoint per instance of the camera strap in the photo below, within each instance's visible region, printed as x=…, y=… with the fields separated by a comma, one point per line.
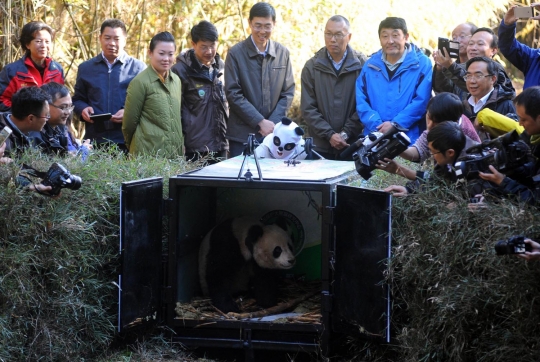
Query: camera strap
x=29, y=170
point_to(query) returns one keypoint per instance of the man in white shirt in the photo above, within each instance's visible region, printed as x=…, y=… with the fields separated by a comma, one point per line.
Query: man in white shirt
x=484, y=91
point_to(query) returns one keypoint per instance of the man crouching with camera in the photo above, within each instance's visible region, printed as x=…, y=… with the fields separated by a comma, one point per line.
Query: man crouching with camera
x=527, y=189
x=29, y=112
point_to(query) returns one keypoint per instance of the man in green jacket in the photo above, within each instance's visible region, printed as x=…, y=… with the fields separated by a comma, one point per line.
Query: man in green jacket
x=259, y=82
x=328, y=84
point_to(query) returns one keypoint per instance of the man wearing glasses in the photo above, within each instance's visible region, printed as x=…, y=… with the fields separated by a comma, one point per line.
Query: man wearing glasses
x=395, y=83
x=259, y=83
x=328, y=100
x=29, y=112
x=483, y=43
x=484, y=91
x=444, y=65
x=55, y=137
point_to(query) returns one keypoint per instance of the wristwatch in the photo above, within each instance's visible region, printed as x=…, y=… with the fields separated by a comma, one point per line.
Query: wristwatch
x=344, y=135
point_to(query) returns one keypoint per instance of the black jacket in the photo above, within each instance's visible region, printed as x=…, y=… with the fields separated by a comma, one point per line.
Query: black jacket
x=451, y=80
x=205, y=111
x=50, y=140
x=17, y=142
x=499, y=101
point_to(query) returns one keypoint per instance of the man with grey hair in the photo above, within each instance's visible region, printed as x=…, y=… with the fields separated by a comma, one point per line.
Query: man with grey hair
x=443, y=71
x=328, y=101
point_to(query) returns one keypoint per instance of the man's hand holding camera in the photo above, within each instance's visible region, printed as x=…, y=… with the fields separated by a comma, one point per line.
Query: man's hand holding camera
x=534, y=254
x=511, y=18
x=442, y=59
x=495, y=176
x=4, y=160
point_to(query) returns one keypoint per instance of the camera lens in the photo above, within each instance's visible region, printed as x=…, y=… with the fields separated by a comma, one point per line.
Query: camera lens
x=75, y=182
x=502, y=248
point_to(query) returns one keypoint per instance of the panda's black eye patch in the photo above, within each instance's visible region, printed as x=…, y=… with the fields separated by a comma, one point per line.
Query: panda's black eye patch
x=277, y=252
x=277, y=141
x=289, y=146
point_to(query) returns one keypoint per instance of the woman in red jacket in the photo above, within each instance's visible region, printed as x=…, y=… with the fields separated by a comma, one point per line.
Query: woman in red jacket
x=34, y=68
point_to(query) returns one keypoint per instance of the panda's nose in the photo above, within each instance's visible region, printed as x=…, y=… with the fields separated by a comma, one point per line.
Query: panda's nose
x=280, y=148
x=292, y=261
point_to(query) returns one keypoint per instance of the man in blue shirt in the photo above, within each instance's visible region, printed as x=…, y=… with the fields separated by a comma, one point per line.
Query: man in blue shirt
x=520, y=55
x=395, y=83
x=102, y=84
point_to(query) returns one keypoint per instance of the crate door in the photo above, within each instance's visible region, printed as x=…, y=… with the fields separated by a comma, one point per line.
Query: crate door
x=362, y=248
x=140, y=250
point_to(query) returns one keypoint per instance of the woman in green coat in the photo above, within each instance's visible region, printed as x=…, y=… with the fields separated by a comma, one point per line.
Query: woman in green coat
x=152, y=123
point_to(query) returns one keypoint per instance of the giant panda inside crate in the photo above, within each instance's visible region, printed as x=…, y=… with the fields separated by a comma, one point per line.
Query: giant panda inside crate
x=340, y=235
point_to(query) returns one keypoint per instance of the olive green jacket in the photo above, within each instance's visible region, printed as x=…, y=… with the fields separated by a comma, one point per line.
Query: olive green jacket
x=152, y=122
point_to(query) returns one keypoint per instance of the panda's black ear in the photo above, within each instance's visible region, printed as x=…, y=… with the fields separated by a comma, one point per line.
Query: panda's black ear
x=254, y=233
x=286, y=121
x=281, y=222
x=299, y=131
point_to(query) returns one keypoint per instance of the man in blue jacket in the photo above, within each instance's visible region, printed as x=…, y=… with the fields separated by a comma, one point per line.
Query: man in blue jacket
x=102, y=84
x=520, y=55
x=395, y=83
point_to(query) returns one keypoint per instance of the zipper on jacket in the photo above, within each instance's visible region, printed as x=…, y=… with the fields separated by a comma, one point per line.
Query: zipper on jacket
x=109, y=90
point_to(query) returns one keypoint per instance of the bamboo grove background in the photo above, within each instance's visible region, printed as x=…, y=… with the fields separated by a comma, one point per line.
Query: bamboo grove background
x=454, y=300
x=299, y=25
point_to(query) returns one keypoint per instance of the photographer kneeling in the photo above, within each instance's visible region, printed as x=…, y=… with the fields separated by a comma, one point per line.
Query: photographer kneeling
x=29, y=112
x=445, y=142
x=527, y=188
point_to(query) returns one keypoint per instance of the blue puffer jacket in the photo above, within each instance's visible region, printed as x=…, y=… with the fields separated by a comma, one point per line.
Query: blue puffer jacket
x=403, y=99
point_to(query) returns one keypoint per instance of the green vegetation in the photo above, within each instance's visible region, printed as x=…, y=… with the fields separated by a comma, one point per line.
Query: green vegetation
x=454, y=300
x=60, y=258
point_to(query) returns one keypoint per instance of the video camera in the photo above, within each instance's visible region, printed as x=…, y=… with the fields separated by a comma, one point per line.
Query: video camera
x=376, y=146
x=513, y=245
x=58, y=177
x=506, y=153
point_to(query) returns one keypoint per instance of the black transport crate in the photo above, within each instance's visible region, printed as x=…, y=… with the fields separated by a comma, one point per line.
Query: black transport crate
x=347, y=243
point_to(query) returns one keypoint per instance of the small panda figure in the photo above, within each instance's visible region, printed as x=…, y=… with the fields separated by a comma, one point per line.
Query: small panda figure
x=239, y=253
x=284, y=143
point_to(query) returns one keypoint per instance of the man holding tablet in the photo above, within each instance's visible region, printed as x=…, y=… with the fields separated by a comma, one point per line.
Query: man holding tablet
x=100, y=89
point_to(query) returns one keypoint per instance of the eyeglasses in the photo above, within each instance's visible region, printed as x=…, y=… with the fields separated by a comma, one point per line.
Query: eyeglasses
x=63, y=108
x=460, y=37
x=476, y=77
x=337, y=36
x=47, y=117
x=259, y=27
x=435, y=153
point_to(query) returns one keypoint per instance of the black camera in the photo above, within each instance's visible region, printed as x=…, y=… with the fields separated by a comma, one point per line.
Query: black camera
x=506, y=153
x=377, y=146
x=514, y=245
x=58, y=177
x=452, y=47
